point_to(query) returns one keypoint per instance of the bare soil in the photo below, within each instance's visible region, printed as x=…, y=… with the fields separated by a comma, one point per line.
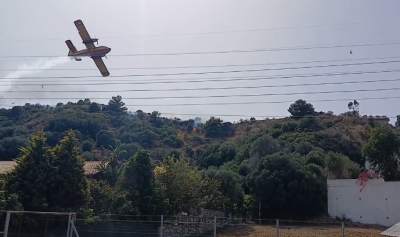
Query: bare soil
x=270, y=231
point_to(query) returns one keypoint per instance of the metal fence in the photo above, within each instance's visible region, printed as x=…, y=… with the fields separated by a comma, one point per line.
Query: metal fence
x=184, y=226
x=224, y=227
x=206, y=226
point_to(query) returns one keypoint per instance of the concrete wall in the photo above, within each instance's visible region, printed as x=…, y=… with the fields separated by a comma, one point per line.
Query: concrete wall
x=377, y=203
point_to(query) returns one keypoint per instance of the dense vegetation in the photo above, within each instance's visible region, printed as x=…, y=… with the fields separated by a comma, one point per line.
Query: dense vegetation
x=156, y=165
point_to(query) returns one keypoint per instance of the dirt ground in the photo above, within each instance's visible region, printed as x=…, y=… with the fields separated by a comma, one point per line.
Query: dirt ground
x=270, y=231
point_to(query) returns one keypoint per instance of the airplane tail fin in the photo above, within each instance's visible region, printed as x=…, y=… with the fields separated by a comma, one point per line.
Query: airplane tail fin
x=71, y=47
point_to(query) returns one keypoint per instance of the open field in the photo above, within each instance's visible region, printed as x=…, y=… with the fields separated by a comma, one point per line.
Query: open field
x=270, y=231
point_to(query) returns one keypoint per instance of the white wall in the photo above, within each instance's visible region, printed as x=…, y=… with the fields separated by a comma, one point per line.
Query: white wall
x=377, y=203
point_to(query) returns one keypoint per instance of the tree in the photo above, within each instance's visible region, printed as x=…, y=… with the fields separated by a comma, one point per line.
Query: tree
x=12, y=203
x=138, y=181
x=94, y=107
x=106, y=139
x=16, y=112
x=248, y=206
x=340, y=143
x=231, y=187
x=140, y=114
x=130, y=150
x=71, y=187
x=382, y=151
x=110, y=167
x=309, y=124
x=175, y=177
x=155, y=114
x=354, y=107
x=213, y=127
x=105, y=198
x=286, y=188
x=339, y=166
x=184, y=187
x=397, y=123
x=301, y=108
x=262, y=147
x=87, y=146
x=31, y=179
x=9, y=147
x=189, y=128
x=86, y=101
x=116, y=104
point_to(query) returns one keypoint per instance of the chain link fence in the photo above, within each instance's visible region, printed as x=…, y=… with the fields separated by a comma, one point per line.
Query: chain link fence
x=106, y=225
x=206, y=226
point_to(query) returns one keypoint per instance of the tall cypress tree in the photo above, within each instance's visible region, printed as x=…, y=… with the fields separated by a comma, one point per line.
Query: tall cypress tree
x=139, y=182
x=71, y=189
x=30, y=179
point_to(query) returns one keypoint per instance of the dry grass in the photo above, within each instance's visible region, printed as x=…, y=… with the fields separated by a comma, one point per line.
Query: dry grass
x=270, y=231
x=8, y=166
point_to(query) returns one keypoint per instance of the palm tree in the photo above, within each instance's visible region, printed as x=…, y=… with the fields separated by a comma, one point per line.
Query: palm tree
x=110, y=166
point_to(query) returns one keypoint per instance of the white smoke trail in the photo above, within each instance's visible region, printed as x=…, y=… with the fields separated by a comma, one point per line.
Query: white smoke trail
x=31, y=68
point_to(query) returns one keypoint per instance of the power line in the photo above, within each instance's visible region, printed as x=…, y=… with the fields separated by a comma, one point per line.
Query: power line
x=217, y=32
x=215, y=79
x=200, y=66
x=267, y=102
x=199, y=73
x=239, y=95
x=206, y=88
x=231, y=65
x=229, y=51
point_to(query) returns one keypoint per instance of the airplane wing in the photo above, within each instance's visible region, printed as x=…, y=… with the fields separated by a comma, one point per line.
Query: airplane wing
x=84, y=33
x=101, y=66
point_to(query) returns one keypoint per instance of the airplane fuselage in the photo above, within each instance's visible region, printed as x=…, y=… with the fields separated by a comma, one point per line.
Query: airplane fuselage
x=97, y=52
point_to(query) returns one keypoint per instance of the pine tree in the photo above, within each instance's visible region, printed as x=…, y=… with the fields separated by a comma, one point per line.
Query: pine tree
x=139, y=182
x=71, y=189
x=30, y=179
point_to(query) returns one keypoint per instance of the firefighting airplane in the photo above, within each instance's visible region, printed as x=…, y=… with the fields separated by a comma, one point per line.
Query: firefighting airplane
x=96, y=53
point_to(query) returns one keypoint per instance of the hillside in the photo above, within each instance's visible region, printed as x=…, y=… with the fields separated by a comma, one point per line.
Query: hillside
x=237, y=164
x=101, y=126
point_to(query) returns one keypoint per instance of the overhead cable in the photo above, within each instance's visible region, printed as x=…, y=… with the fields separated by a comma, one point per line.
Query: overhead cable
x=224, y=52
x=228, y=96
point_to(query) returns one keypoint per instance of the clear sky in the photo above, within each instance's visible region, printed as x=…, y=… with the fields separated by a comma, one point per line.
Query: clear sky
x=39, y=28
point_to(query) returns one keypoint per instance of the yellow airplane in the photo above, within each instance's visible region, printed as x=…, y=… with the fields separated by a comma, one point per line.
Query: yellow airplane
x=96, y=53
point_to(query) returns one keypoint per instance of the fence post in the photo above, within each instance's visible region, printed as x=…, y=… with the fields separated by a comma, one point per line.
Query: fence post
x=162, y=226
x=259, y=213
x=342, y=229
x=277, y=227
x=6, y=224
x=215, y=226
x=69, y=231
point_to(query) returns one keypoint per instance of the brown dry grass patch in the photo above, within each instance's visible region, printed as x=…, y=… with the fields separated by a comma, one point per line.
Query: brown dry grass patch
x=270, y=231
